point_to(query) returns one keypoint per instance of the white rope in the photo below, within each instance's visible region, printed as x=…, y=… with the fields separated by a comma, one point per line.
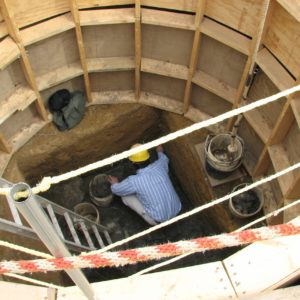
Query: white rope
x=42, y=283
x=198, y=209
x=47, y=181
x=177, y=258
x=25, y=250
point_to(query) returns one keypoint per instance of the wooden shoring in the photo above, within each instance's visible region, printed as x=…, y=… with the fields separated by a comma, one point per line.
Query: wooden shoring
x=279, y=131
x=82, y=54
x=28, y=72
x=194, y=54
x=138, y=49
x=256, y=44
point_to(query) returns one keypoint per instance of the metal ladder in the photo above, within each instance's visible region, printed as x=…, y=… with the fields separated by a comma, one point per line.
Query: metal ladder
x=80, y=234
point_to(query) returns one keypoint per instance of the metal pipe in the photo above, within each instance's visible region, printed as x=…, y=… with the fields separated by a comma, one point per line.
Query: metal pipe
x=40, y=223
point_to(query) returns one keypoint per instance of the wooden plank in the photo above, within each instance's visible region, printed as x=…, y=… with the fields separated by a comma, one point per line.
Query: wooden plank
x=226, y=36
x=166, y=285
x=181, y=5
x=9, y=52
x=161, y=102
x=276, y=261
x=269, y=64
x=29, y=12
x=290, y=213
x=168, y=19
x=19, y=100
x=106, y=16
x=113, y=97
x=283, y=125
x=280, y=161
x=4, y=160
x=46, y=29
x=110, y=64
x=259, y=124
x=102, y=3
x=164, y=68
x=4, y=145
x=82, y=54
x=58, y=76
x=295, y=104
x=294, y=191
x=137, y=49
x=282, y=38
x=3, y=30
x=215, y=86
x=262, y=164
x=292, y=7
x=241, y=15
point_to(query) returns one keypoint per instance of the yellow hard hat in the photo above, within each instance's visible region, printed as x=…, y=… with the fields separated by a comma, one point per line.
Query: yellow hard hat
x=140, y=156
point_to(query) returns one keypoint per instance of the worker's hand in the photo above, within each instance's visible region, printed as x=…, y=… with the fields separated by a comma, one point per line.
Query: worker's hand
x=160, y=148
x=112, y=179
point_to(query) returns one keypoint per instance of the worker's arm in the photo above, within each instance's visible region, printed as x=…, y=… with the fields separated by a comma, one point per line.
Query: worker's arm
x=163, y=160
x=123, y=188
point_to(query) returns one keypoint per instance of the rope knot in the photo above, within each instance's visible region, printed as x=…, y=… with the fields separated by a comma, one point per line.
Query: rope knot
x=43, y=186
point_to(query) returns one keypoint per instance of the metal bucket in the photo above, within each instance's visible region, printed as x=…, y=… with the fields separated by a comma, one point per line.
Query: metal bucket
x=99, y=190
x=218, y=156
x=246, y=204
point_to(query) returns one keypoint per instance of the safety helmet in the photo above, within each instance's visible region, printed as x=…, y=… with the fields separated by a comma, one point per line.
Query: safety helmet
x=140, y=156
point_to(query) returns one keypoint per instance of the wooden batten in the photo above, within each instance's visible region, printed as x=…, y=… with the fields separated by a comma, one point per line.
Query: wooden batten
x=164, y=68
x=294, y=190
x=106, y=16
x=9, y=52
x=295, y=104
x=110, y=64
x=161, y=102
x=58, y=76
x=280, y=161
x=226, y=36
x=215, y=86
x=47, y=29
x=275, y=71
x=137, y=49
x=194, y=55
x=168, y=19
x=81, y=49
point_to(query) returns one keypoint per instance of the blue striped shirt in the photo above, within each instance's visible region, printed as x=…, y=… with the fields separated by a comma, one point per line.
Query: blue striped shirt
x=153, y=188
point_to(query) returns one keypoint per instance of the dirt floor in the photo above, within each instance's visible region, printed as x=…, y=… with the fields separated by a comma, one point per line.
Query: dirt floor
x=124, y=222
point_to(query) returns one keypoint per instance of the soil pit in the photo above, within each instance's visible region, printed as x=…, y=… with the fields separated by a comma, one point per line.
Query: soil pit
x=124, y=222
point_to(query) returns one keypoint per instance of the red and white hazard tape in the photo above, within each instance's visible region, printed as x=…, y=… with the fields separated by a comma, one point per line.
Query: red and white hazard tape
x=133, y=256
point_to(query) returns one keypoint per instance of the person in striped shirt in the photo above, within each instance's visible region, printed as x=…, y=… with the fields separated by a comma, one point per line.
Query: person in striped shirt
x=150, y=192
